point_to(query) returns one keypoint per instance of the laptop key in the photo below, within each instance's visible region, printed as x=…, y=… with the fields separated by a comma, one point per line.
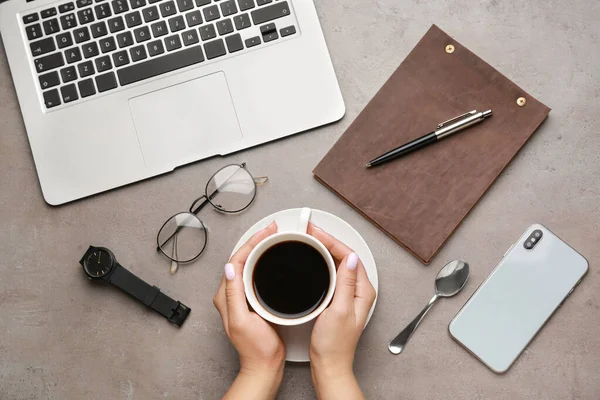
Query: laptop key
x=68, y=21
x=185, y=5
x=49, y=62
x=200, y=3
x=242, y=21
x=253, y=41
x=167, y=9
x=68, y=74
x=86, y=69
x=120, y=58
x=64, y=40
x=103, y=10
x=269, y=32
x=158, y=66
x=50, y=12
x=51, y=98
x=155, y=48
x=263, y=2
x=133, y=19
x=90, y=49
x=172, y=43
x=228, y=8
x=234, y=43
x=190, y=37
x=63, y=8
x=287, y=31
x=103, y=63
x=142, y=34
x=81, y=35
x=86, y=88
x=49, y=80
x=207, y=32
x=73, y=55
x=211, y=13
x=116, y=24
x=138, y=53
x=151, y=14
x=246, y=4
x=85, y=16
x=34, y=31
x=69, y=93
x=225, y=26
x=120, y=6
x=51, y=26
x=27, y=19
x=107, y=44
x=42, y=46
x=99, y=29
x=106, y=82
x=177, y=23
x=214, y=49
x=124, y=39
x=194, y=18
x=137, y=4
x=159, y=29
x=269, y=13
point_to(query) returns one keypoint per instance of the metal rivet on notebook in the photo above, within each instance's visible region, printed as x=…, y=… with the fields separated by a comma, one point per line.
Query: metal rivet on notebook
x=521, y=101
x=450, y=49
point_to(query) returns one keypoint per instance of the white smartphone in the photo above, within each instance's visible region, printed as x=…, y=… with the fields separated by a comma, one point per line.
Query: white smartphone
x=532, y=280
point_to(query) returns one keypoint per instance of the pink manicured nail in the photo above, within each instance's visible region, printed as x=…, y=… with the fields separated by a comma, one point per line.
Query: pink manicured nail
x=229, y=272
x=352, y=261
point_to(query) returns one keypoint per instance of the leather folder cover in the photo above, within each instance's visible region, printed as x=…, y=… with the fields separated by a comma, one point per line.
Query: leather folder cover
x=421, y=198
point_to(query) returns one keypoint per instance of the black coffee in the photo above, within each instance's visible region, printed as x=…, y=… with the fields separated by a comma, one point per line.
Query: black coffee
x=291, y=279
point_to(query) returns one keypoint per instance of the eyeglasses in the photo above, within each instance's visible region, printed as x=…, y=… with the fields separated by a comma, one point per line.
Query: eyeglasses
x=183, y=237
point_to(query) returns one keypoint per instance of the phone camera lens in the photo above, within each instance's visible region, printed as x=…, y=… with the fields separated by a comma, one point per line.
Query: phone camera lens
x=537, y=234
x=528, y=245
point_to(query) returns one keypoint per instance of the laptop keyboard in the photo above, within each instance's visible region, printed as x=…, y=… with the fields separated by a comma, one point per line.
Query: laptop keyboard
x=84, y=48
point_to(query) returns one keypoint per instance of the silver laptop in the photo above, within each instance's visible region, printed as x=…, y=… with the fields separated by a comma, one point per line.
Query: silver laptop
x=113, y=92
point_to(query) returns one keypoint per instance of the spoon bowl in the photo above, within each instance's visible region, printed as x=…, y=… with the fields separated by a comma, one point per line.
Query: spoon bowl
x=452, y=278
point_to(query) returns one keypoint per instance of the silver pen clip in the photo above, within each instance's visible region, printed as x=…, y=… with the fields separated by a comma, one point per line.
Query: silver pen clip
x=462, y=116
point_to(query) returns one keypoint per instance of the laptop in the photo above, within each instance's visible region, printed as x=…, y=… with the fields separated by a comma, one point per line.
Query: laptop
x=116, y=91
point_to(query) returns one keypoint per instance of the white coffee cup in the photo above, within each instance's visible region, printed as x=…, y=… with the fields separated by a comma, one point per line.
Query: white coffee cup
x=298, y=235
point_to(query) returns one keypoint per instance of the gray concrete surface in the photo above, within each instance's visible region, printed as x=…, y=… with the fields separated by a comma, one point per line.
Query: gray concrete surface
x=62, y=337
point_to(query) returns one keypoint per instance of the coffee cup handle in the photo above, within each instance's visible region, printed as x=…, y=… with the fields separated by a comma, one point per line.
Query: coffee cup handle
x=304, y=220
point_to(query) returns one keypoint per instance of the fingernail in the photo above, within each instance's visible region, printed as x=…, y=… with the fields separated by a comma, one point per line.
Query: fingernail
x=229, y=272
x=352, y=261
x=270, y=225
x=317, y=228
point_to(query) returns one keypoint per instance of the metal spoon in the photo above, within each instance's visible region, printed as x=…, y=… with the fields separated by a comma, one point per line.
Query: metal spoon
x=449, y=281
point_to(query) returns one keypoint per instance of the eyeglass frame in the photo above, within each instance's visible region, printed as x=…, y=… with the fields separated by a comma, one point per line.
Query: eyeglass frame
x=194, y=212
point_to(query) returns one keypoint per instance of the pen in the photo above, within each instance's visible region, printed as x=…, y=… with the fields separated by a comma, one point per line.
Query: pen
x=443, y=130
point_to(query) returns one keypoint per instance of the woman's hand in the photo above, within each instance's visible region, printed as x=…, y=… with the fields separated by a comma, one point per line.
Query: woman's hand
x=261, y=350
x=338, y=329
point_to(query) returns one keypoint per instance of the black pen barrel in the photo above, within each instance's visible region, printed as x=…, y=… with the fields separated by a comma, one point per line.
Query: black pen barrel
x=404, y=149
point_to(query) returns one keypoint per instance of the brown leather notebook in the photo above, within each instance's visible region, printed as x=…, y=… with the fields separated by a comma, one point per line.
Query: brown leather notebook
x=421, y=198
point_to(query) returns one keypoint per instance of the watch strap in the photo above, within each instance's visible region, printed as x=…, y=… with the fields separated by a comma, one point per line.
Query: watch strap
x=175, y=311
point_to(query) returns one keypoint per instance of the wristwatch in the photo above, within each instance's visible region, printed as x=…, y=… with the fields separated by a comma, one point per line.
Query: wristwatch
x=100, y=264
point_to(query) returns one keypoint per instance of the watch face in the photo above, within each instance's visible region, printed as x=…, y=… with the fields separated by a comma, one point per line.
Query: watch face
x=98, y=264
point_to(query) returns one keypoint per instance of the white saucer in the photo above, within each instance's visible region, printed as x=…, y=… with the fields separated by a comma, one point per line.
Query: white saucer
x=297, y=338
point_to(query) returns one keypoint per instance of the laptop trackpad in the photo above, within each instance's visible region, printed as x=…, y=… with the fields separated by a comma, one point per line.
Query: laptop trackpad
x=185, y=122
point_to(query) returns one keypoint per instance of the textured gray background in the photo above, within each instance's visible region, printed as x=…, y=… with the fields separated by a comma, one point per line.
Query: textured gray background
x=62, y=337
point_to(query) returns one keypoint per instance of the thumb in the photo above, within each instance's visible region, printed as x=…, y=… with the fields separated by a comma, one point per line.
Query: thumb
x=234, y=293
x=346, y=282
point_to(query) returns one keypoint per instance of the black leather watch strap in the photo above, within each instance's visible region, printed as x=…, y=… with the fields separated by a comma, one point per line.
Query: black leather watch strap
x=151, y=296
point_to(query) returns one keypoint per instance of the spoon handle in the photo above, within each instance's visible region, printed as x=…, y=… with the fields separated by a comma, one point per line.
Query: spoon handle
x=399, y=342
